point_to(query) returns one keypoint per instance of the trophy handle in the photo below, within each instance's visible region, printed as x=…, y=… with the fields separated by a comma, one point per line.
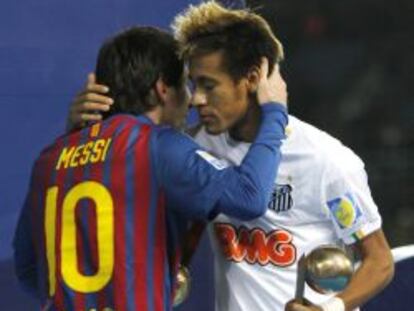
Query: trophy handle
x=300, y=279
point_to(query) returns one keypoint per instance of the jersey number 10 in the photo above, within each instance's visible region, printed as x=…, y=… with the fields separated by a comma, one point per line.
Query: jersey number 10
x=102, y=198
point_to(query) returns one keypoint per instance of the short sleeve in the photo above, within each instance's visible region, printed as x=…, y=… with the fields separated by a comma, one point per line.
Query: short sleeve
x=348, y=198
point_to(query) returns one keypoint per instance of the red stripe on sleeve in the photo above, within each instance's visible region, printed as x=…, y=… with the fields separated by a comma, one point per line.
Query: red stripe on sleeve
x=118, y=180
x=160, y=255
x=142, y=206
x=96, y=174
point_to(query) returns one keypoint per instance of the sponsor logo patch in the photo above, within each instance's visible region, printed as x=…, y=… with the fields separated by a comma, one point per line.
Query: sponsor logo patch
x=345, y=210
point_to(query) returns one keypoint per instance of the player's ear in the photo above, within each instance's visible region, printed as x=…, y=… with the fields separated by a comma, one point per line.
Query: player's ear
x=253, y=79
x=162, y=91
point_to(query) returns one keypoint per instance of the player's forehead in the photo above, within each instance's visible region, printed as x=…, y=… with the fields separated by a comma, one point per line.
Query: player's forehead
x=207, y=66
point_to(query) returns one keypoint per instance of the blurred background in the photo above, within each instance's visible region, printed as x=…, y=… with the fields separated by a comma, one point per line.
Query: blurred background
x=350, y=71
x=349, y=68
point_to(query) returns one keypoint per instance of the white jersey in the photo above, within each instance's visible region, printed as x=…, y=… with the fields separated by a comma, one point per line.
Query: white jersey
x=321, y=196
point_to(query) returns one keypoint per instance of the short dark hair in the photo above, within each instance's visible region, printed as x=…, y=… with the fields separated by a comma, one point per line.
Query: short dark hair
x=243, y=36
x=131, y=62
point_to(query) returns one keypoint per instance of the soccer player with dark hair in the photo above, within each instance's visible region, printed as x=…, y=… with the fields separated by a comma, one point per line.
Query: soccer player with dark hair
x=108, y=204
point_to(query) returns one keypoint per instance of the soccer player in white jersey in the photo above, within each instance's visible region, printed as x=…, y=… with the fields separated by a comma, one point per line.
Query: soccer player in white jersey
x=321, y=195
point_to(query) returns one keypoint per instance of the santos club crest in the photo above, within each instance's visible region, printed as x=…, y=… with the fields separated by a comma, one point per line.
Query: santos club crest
x=281, y=199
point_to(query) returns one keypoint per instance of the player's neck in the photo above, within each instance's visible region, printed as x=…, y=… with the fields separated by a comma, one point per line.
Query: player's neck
x=155, y=115
x=246, y=128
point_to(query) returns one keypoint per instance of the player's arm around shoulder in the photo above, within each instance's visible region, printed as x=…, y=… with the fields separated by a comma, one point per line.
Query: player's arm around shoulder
x=199, y=185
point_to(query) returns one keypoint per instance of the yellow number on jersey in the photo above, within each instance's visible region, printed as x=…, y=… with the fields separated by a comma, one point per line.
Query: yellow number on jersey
x=69, y=257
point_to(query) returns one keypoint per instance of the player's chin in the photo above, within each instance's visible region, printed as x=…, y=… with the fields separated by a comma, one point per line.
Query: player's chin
x=214, y=129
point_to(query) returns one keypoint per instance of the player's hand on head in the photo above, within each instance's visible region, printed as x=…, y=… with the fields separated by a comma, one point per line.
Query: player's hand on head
x=305, y=305
x=88, y=104
x=271, y=88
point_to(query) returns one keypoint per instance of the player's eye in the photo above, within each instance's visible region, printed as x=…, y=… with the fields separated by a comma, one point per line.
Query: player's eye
x=209, y=87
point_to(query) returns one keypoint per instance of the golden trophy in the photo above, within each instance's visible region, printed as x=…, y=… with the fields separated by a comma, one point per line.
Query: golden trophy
x=183, y=286
x=326, y=269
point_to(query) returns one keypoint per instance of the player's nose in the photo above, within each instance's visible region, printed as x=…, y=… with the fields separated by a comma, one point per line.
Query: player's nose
x=198, y=98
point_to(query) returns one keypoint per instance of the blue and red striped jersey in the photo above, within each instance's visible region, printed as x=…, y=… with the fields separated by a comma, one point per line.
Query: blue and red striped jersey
x=108, y=205
x=98, y=221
